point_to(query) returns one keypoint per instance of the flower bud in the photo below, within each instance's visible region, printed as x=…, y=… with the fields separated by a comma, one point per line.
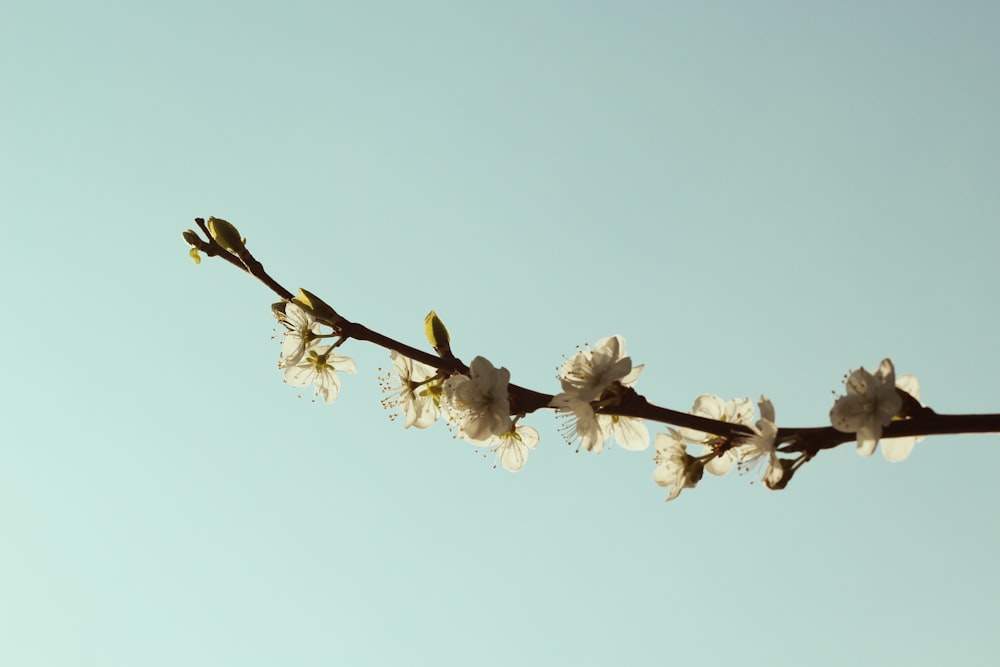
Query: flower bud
x=226, y=235
x=316, y=306
x=195, y=256
x=776, y=483
x=437, y=334
x=191, y=238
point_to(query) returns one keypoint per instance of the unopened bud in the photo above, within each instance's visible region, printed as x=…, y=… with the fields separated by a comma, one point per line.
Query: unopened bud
x=788, y=469
x=316, y=306
x=195, y=256
x=191, y=238
x=226, y=235
x=437, y=334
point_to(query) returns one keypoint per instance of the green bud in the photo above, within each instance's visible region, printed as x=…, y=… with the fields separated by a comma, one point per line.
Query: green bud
x=437, y=334
x=192, y=238
x=316, y=306
x=226, y=235
x=195, y=256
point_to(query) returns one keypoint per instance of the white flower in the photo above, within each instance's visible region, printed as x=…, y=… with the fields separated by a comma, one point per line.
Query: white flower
x=753, y=449
x=736, y=411
x=414, y=393
x=589, y=372
x=629, y=432
x=582, y=425
x=675, y=468
x=592, y=429
x=870, y=404
x=585, y=378
x=511, y=447
x=303, y=334
x=478, y=402
x=319, y=367
x=897, y=449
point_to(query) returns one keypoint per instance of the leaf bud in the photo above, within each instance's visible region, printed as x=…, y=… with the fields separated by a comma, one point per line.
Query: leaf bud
x=226, y=235
x=320, y=309
x=192, y=238
x=437, y=335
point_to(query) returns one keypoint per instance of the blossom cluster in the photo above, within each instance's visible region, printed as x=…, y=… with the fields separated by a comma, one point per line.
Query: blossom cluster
x=595, y=380
x=476, y=403
x=597, y=377
x=479, y=405
x=678, y=469
x=305, y=359
x=596, y=399
x=871, y=402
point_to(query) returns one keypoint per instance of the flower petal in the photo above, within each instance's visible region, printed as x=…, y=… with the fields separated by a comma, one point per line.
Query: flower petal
x=909, y=384
x=897, y=449
x=630, y=433
x=766, y=408
x=866, y=446
x=513, y=454
x=718, y=465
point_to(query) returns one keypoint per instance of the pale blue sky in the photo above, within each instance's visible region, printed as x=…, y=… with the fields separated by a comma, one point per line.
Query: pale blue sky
x=758, y=195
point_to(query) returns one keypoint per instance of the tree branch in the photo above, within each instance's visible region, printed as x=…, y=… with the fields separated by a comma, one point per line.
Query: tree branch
x=620, y=400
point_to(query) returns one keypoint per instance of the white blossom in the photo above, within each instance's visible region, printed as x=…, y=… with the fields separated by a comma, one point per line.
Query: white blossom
x=589, y=372
x=735, y=411
x=585, y=378
x=897, y=449
x=511, y=447
x=478, y=401
x=869, y=405
x=753, y=449
x=413, y=391
x=303, y=334
x=592, y=429
x=582, y=423
x=629, y=432
x=675, y=468
x=319, y=366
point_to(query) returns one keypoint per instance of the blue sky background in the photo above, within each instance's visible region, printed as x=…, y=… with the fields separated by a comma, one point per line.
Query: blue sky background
x=759, y=196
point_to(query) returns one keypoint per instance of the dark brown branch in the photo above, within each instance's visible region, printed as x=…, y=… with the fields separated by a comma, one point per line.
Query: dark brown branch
x=627, y=403
x=812, y=440
x=243, y=260
x=523, y=400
